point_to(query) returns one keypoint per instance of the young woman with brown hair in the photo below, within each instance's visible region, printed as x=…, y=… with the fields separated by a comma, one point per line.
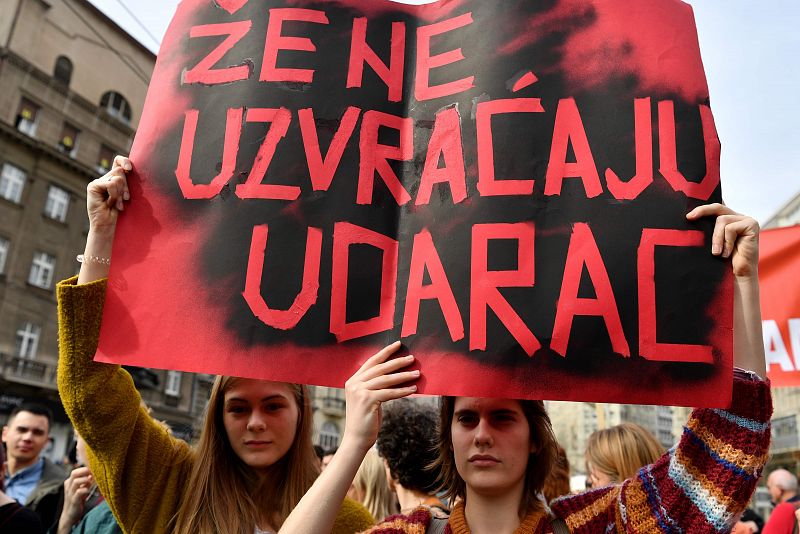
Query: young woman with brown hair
x=616, y=453
x=254, y=460
x=496, y=452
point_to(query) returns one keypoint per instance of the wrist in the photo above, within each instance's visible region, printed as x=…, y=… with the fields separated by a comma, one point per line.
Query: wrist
x=354, y=444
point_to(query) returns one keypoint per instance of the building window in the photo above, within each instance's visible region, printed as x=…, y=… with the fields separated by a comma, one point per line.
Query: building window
x=329, y=435
x=104, y=159
x=173, y=388
x=116, y=106
x=12, y=182
x=26, y=117
x=28, y=340
x=4, y=246
x=42, y=270
x=68, y=144
x=63, y=70
x=57, y=204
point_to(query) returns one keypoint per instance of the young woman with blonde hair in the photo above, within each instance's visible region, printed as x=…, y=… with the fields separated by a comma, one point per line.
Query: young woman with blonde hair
x=616, y=453
x=371, y=487
x=254, y=460
x=496, y=452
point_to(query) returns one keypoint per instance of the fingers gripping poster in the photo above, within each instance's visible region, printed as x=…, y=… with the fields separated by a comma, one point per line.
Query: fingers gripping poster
x=500, y=185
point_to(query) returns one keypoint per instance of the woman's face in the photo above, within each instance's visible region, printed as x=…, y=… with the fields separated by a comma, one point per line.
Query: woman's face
x=260, y=420
x=598, y=479
x=491, y=444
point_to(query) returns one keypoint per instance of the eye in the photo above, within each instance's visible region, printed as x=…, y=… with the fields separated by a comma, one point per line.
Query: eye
x=467, y=419
x=236, y=409
x=274, y=406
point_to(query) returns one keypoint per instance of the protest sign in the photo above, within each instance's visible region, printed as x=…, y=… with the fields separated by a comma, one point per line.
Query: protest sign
x=500, y=185
x=778, y=268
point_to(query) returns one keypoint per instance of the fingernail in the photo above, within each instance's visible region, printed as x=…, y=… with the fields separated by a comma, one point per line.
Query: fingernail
x=716, y=249
x=126, y=195
x=128, y=166
x=410, y=357
x=415, y=372
x=414, y=388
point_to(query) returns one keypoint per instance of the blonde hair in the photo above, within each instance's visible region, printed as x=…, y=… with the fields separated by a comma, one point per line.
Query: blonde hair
x=223, y=494
x=620, y=451
x=373, y=487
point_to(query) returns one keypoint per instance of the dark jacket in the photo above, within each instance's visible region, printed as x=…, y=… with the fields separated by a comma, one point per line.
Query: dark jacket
x=45, y=497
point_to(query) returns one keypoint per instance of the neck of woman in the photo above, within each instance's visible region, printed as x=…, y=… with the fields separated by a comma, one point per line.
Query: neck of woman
x=409, y=499
x=493, y=513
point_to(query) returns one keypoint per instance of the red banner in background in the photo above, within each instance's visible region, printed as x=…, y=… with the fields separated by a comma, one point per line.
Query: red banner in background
x=779, y=272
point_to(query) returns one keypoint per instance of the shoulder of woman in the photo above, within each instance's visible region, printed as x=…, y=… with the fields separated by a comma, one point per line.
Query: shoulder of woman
x=418, y=518
x=352, y=517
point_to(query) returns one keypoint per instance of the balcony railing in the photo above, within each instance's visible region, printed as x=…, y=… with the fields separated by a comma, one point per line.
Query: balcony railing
x=31, y=372
x=333, y=405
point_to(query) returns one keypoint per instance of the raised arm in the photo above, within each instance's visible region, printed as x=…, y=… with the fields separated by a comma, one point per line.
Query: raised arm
x=704, y=483
x=736, y=237
x=128, y=451
x=105, y=199
x=377, y=381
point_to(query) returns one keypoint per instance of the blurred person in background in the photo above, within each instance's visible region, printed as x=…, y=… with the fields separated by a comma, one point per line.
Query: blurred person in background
x=84, y=511
x=326, y=458
x=29, y=477
x=617, y=453
x=782, y=488
x=407, y=442
x=371, y=488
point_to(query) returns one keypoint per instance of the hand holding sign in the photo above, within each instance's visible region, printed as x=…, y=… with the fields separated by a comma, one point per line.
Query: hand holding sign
x=378, y=380
x=105, y=199
x=500, y=185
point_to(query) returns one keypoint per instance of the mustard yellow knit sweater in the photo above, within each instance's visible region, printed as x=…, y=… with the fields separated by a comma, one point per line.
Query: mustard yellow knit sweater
x=140, y=469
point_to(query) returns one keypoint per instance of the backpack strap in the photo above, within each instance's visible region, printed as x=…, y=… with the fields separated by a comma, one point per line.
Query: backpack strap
x=437, y=525
x=559, y=526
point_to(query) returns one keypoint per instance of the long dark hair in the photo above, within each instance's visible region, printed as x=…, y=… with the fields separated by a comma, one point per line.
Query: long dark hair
x=224, y=495
x=540, y=462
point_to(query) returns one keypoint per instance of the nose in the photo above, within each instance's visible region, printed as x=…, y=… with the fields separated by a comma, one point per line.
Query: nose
x=257, y=422
x=483, y=434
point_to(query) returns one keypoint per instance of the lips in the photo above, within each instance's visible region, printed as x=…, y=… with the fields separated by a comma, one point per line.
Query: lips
x=254, y=443
x=483, y=460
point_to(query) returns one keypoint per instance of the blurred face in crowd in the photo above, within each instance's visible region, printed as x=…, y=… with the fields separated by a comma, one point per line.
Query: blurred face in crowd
x=491, y=444
x=326, y=460
x=597, y=479
x=25, y=436
x=260, y=419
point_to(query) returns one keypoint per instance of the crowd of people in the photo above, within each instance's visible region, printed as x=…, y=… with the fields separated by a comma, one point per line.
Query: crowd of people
x=472, y=465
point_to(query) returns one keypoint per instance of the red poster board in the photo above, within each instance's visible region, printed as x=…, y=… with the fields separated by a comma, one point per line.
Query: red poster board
x=501, y=185
x=779, y=274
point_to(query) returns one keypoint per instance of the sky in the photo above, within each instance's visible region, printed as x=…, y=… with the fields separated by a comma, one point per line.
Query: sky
x=751, y=53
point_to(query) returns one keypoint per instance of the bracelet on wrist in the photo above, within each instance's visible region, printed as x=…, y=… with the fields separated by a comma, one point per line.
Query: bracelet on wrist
x=88, y=258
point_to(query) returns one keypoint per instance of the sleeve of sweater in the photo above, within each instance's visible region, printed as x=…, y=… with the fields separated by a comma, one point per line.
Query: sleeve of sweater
x=138, y=466
x=698, y=486
x=352, y=517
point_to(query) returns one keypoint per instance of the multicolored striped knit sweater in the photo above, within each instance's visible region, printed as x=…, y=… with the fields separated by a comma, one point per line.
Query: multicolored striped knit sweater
x=699, y=486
